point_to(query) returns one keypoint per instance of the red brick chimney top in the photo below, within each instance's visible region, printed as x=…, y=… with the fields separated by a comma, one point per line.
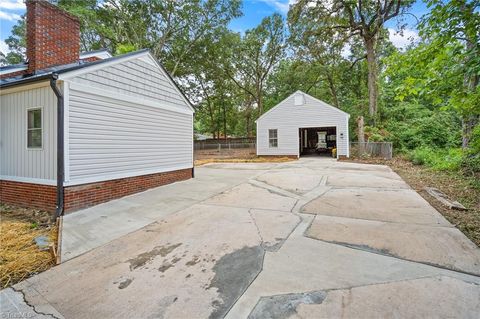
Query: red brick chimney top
x=53, y=36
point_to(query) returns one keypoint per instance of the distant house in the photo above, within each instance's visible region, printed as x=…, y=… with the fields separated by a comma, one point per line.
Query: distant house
x=303, y=125
x=80, y=129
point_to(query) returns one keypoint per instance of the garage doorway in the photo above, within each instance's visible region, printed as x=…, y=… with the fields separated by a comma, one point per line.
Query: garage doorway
x=317, y=141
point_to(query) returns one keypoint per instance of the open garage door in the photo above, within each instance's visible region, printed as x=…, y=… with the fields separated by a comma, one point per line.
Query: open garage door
x=317, y=141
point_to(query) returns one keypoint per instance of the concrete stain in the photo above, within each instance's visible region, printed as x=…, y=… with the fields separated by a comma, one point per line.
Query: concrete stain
x=144, y=258
x=193, y=262
x=284, y=306
x=124, y=284
x=234, y=272
x=165, y=267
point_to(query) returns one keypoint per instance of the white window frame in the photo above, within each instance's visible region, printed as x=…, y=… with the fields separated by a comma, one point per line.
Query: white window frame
x=27, y=129
x=270, y=139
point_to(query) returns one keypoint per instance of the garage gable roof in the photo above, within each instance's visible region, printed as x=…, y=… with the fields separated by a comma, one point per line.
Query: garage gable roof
x=308, y=95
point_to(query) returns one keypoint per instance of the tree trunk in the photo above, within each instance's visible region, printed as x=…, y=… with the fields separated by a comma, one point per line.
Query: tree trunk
x=259, y=100
x=468, y=124
x=361, y=135
x=224, y=119
x=469, y=121
x=372, y=77
x=333, y=90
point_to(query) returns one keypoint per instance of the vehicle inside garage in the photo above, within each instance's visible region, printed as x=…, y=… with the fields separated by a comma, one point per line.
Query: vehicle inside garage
x=318, y=141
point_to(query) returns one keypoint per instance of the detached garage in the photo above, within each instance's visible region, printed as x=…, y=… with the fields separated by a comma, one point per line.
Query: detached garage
x=303, y=125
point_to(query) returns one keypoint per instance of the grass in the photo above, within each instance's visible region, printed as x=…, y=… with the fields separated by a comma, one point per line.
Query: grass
x=20, y=257
x=455, y=185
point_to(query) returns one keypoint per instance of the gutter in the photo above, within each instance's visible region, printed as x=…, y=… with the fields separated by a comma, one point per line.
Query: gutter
x=60, y=145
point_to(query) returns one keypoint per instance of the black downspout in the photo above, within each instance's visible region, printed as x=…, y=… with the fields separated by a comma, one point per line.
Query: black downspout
x=193, y=145
x=60, y=144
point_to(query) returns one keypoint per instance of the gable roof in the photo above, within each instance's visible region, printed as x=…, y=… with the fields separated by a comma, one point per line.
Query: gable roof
x=69, y=70
x=314, y=98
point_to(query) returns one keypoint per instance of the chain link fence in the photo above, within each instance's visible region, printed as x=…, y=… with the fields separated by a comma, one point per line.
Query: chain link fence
x=372, y=149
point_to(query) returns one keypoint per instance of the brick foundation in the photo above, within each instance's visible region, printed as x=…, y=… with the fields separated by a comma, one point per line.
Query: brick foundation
x=86, y=195
x=21, y=194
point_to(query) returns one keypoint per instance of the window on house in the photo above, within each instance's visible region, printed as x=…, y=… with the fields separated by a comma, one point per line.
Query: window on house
x=34, y=128
x=273, y=138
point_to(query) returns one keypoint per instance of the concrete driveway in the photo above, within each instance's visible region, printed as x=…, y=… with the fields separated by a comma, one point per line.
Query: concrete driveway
x=314, y=238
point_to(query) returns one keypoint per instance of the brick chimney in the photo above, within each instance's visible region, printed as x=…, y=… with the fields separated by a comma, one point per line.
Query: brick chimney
x=53, y=36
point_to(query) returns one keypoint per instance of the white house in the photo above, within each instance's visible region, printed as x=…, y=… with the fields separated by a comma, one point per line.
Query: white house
x=80, y=129
x=303, y=125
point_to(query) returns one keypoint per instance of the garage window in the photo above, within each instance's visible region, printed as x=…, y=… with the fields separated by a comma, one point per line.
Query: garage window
x=273, y=138
x=34, y=128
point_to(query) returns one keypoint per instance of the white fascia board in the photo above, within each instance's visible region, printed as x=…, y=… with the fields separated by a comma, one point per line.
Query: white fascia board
x=126, y=98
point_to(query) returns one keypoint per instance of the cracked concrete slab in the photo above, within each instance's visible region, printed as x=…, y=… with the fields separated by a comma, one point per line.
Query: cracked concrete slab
x=250, y=196
x=13, y=305
x=182, y=254
x=92, y=227
x=298, y=180
x=360, y=180
x=303, y=264
x=402, y=206
x=274, y=227
x=443, y=246
x=453, y=298
x=226, y=239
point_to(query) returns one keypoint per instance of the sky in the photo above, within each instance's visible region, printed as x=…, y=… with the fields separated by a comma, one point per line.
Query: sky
x=253, y=13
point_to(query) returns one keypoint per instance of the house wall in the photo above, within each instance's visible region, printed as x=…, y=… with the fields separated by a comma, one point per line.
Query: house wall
x=110, y=138
x=16, y=161
x=126, y=120
x=141, y=78
x=287, y=118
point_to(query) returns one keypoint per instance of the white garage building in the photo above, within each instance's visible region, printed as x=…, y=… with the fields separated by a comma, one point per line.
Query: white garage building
x=303, y=125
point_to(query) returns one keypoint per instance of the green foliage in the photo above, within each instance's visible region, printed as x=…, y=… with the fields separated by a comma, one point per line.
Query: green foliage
x=375, y=134
x=16, y=43
x=471, y=158
x=439, y=159
x=413, y=126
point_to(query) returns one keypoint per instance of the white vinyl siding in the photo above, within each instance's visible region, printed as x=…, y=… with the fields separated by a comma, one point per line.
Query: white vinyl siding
x=111, y=138
x=17, y=161
x=287, y=118
x=140, y=78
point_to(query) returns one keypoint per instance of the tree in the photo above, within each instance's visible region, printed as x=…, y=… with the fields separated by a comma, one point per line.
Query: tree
x=16, y=44
x=362, y=18
x=255, y=55
x=456, y=24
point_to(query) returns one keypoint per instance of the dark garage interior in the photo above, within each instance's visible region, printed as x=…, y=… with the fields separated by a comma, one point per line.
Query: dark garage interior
x=317, y=140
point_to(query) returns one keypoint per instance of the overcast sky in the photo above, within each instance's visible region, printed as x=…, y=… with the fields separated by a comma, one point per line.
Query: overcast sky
x=254, y=11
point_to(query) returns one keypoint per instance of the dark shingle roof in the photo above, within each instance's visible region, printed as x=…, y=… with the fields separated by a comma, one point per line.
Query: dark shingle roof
x=46, y=73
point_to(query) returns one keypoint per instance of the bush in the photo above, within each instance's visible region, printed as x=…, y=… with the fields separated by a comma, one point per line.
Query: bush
x=471, y=158
x=439, y=159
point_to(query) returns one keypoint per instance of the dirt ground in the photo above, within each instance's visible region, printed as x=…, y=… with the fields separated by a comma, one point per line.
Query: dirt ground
x=453, y=184
x=244, y=155
x=20, y=257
